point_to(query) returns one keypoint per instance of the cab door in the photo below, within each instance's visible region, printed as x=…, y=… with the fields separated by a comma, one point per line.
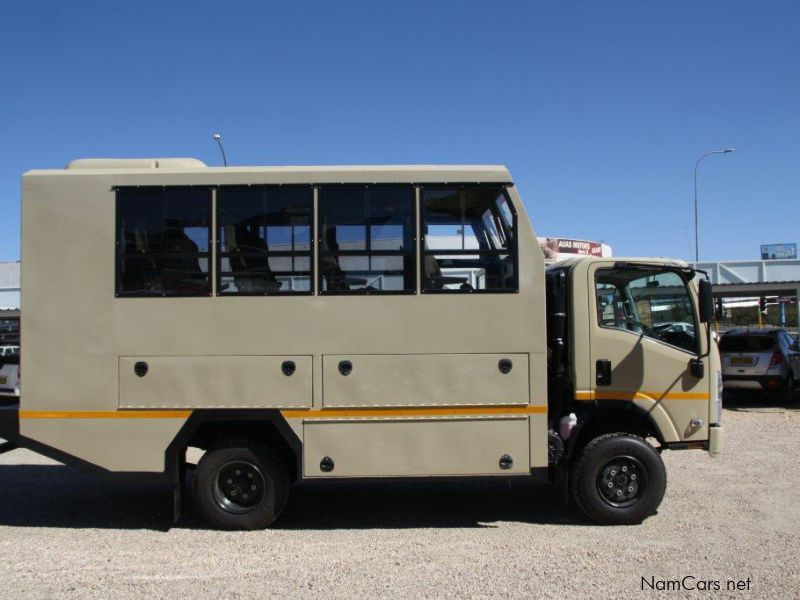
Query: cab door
x=645, y=334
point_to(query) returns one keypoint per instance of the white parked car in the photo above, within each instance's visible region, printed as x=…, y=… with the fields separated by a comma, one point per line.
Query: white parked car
x=766, y=360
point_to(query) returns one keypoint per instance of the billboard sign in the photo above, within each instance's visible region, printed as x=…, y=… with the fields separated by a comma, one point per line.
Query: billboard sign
x=777, y=251
x=560, y=248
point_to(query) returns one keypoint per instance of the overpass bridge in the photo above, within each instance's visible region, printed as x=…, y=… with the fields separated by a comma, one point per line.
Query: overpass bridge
x=754, y=278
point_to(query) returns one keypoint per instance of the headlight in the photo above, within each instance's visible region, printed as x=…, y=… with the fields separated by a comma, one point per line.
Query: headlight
x=715, y=411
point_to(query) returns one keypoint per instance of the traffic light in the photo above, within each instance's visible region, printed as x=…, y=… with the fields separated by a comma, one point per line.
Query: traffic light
x=719, y=310
x=762, y=305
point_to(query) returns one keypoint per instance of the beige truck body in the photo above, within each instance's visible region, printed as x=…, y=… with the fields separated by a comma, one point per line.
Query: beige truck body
x=425, y=396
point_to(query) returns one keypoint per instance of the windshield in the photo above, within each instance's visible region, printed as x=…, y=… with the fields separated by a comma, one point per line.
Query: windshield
x=746, y=343
x=653, y=303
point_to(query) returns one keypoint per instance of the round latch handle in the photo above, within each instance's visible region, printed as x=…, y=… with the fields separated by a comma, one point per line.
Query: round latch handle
x=345, y=367
x=326, y=464
x=506, y=462
x=140, y=368
x=505, y=365
x=288, y=368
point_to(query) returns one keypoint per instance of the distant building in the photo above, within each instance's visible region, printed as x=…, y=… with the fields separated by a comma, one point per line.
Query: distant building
x=9, y=286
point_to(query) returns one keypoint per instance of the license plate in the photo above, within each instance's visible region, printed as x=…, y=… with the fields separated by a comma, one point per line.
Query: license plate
x=741, y=360
x=2, y=380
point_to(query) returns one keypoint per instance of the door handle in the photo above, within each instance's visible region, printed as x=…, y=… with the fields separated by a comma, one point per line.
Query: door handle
x=697, y=368
x=603, y=371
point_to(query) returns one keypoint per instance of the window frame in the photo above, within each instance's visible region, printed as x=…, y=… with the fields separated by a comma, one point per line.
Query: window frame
x=118, y=254
x=413, y=256
x=513, y=249
x=651, y=269
x=310, y=253
x=367, y=252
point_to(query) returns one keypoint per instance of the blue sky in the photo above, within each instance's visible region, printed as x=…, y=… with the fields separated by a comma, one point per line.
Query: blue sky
x=598, y=108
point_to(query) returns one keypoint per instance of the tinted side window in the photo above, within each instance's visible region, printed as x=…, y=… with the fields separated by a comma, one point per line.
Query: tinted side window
x=163, y=239
x=366, y=239
x=469, y=240
x=264, y=236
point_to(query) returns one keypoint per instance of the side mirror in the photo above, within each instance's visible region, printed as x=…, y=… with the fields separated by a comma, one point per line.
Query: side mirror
x=706, y=301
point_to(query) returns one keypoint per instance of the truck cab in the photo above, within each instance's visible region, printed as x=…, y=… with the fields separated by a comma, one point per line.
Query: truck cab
x=632, y=371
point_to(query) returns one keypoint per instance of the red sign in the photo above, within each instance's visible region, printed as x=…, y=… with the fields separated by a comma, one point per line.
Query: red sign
x=553, y=247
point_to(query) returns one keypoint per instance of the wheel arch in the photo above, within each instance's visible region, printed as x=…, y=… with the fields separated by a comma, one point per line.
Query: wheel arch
x=204, y=428
x=611, y=416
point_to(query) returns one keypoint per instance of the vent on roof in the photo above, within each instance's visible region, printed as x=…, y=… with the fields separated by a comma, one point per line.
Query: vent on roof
x=136, y=163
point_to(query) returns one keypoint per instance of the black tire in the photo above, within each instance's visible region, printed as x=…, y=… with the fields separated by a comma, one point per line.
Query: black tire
x=240, y=485
x=642, y=481
x=786, y=393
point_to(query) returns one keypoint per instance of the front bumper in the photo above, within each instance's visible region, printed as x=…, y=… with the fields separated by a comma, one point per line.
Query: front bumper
x=716, y=436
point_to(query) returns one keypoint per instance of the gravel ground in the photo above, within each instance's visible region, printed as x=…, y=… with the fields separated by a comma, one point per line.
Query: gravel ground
x=734, y=518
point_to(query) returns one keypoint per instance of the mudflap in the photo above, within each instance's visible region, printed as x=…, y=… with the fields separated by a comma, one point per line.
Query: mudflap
x=559, y=474
x=178, y=489
x=9, y=427
x=177, y=502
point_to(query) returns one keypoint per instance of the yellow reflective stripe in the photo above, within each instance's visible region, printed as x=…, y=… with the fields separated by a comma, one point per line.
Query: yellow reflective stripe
x=451, y=411
x=104, y=414
x=292, y=414
x=654, y=396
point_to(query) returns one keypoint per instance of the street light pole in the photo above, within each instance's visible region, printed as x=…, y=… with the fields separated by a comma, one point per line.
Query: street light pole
x=696, y=228
x=218, y=139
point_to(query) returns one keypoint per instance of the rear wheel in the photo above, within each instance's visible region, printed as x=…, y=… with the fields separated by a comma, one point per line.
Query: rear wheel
x=618, y=479
x=786, y=393
x=240, y=485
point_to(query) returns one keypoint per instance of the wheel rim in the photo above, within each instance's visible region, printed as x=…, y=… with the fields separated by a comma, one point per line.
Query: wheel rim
x=239, y=487
x=622, y=481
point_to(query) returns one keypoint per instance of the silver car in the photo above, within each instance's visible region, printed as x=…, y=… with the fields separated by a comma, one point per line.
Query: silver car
x=766, y=360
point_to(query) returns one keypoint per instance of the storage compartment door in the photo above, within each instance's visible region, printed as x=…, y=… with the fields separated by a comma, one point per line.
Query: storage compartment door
x=214, y=381
x=416, y=447
x=424, y=379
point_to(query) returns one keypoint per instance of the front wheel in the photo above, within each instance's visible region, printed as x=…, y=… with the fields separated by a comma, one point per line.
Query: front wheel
x=618, y=479
x=240, y=485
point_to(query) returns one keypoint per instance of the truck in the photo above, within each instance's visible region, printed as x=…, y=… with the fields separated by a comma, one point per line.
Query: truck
x=346, y=322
